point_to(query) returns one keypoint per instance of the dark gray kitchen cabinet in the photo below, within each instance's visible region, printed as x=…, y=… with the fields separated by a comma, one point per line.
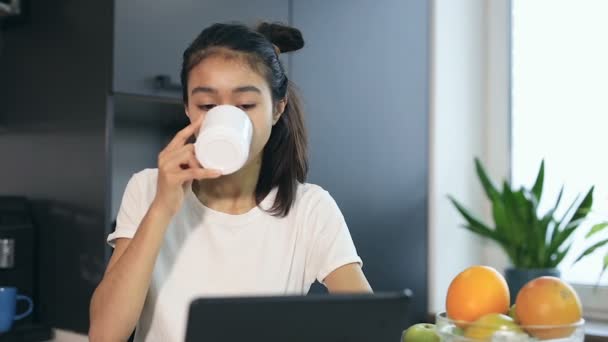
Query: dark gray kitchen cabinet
x=150, y=37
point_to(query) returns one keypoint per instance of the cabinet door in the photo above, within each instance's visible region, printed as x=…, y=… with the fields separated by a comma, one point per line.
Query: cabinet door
x=150, y=37
x=364, y=80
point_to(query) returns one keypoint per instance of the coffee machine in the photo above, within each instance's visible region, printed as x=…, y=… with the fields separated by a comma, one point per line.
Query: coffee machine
x=18, y=250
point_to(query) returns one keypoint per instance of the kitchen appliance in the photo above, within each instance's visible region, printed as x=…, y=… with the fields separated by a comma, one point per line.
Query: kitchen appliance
x=18, y=249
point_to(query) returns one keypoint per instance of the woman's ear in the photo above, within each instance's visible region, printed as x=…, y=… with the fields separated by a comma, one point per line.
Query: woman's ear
x=280, y=108
x=186, y=111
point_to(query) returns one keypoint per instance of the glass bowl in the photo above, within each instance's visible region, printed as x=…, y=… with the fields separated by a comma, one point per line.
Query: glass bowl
x=454, y=331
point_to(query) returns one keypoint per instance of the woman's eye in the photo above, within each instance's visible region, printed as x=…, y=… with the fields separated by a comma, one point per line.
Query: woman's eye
x=206, y=107
x=247, y=106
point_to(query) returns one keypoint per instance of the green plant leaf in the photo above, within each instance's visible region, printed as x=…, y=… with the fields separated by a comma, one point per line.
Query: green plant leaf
x=520, y=210
x=585, y=207
x=596, y=229
x=530, y=239
x=563, y=236
x=561, y=223
x=487, y=184
x=515, y=235
x=567, y=227
x=479, y=231
x=544, y=223
x=501, y=222
x=559, y=198
x=604, y=267
x=537, y=189
x=550, y=229
x=474, y=224
x=560, y=257
x=549, y=235
x=522, y=205
x=534, y=244
x=591, y=249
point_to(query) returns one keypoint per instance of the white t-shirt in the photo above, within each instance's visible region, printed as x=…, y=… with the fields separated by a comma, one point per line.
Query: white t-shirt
x=210, y=253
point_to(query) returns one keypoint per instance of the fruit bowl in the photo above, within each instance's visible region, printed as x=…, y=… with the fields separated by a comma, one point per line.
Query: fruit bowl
x=459, y=331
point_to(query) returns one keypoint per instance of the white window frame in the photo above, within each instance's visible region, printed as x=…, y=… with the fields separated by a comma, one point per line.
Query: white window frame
x=498, y=139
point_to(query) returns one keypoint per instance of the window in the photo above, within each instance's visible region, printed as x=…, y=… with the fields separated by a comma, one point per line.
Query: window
x=559, y=112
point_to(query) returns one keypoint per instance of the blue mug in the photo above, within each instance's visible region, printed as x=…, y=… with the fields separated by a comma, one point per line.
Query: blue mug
x=8, y=305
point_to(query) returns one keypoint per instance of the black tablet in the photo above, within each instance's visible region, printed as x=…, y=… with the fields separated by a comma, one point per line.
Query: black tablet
x=315, y=318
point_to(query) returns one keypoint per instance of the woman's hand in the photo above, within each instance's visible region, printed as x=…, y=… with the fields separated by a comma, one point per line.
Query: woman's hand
x=177, y=168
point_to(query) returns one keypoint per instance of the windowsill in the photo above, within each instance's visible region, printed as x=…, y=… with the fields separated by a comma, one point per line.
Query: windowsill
x=596, y=331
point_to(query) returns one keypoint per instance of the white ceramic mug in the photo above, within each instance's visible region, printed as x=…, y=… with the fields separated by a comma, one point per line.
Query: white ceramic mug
x=224, y=139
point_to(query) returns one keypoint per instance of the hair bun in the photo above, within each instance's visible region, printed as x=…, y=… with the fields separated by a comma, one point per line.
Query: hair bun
x=286, y=38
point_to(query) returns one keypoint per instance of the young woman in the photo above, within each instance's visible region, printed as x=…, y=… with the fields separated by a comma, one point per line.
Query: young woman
x=184, y=231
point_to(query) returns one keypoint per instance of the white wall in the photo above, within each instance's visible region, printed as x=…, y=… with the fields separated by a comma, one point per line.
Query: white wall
x=469, y=118
x=456, y=138
x=497, y=127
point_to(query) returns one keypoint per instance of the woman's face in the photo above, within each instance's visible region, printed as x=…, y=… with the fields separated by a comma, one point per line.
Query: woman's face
x=219, y=80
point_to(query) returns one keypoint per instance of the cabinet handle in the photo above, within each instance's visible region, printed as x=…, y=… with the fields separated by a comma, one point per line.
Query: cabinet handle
x=164, y=82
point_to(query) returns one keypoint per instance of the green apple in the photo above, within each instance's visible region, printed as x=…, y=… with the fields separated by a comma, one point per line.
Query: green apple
x=483, y=328
x=422, y=332
x=512, y=313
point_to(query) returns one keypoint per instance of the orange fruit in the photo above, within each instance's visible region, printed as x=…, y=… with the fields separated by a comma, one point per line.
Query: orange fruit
x=475, y=292
x=548, y=301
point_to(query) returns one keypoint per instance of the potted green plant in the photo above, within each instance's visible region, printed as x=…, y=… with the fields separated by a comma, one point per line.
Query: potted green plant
x=535, y=243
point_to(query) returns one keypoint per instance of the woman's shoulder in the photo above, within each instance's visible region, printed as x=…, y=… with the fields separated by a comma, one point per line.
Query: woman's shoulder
x=310, y=195
x=146, y=177
x=314, y=205
x=143, y=183
x=310, y=189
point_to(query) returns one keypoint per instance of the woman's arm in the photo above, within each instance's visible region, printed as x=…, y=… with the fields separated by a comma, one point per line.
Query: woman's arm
x=118, y=300
x=347, y=279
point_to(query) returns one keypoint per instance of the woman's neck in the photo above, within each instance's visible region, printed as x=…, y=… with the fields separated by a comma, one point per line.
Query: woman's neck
x=232, y=194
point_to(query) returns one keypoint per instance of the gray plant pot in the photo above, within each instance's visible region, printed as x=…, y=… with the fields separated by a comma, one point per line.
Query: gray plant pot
x=518, y=277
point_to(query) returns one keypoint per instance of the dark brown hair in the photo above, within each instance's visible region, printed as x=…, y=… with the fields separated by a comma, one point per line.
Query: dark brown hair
x=285, y=156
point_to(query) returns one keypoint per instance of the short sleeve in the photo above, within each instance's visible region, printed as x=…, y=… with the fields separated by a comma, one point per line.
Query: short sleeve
x=332, y=244
x=130, y=213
